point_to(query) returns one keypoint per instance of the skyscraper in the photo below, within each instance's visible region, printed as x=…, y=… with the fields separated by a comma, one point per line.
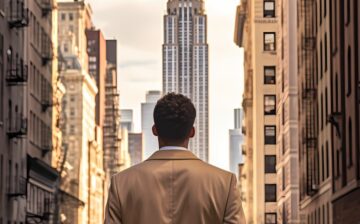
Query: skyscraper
x=150, y=141
x=126, y=120
x=235, y=144
x=185, y=63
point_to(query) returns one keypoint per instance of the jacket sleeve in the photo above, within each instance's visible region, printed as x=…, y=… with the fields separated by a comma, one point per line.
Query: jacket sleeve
x=113, y=207
x=234, y=213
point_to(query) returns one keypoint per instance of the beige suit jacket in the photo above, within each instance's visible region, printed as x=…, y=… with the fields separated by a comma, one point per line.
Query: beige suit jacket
x=175, y=187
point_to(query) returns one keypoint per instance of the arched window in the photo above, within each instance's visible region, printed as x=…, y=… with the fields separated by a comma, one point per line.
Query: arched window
x=349, y=71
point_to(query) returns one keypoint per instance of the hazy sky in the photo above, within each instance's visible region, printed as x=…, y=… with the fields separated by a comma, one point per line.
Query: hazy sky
x=138, y=27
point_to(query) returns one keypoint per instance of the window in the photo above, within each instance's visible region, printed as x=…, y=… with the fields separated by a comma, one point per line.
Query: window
x=269, y=75
x=72, y=129
x=269, y=41
x=350, y=145
x=63, y=16
x=349, y=72
x=327, y=160
x=270, y=192
x=1, y=78
x=269, y=8
x=326, y=52
x=270, y=218
x=270, y=164
x=270, y=105
x=2, y=5
x=348, y=13
x=322, y=164
x=270, y=135
x=71, y=17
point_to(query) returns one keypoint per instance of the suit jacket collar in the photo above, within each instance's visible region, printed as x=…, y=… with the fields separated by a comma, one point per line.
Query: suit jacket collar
x=173, y=155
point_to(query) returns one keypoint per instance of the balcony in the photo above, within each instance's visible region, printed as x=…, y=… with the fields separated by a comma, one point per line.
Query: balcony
x=45, y=148
x=17, y=75
x=46, y=49
x=16, y=127
x=18, y=189
x=18, y=15
x=46, y=7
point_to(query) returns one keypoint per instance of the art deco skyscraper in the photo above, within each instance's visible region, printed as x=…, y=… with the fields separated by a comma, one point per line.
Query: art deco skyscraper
x=185, y=63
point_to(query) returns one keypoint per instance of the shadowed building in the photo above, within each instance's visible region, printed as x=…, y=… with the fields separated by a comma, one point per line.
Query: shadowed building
x=28, y=85
x=185, y=63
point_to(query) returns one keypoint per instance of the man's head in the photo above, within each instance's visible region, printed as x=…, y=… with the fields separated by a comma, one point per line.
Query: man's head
x=174, y=117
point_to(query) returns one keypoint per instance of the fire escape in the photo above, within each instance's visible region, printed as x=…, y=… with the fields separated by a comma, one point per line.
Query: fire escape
x=17, y=75
x=46, y=7
x=18, y=15
x=309, y=98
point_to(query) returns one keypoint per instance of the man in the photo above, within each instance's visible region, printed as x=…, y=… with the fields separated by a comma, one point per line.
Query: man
x=173, y=185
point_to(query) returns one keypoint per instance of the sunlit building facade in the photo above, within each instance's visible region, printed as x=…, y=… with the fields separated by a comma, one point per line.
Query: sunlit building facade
x=235, y=143
x=256, y=31
x=185, y=63
x=82, y=182
x=287, y=115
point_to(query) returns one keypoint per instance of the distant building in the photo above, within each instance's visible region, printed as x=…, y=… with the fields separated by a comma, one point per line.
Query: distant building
x=124, y=161
x=147, y=121
x=235, y=144
x=186, y=63
x=127, y=119
x=136, y=148
x=112, y=129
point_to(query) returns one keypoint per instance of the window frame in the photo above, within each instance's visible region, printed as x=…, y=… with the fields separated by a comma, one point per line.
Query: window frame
x=269, y=13
x=269, y=168
x=264, y=44
x=274, y=140
x=272, y=214
x=266, y=106
x=272, y=199
x=266, y=68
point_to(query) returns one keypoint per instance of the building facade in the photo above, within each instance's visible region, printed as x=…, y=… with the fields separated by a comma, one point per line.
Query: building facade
x=136, y=148
x=287, y=114
x=83, y=176
x=28, y=181
x=185, y=63
x=112, y=128
x=235, y=143
x=344, y=93
x=314, y=107
x=127, y=119
x=150, y=141
x=257, y=30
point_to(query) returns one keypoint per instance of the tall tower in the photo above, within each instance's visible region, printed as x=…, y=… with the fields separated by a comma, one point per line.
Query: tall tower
x=185, y=63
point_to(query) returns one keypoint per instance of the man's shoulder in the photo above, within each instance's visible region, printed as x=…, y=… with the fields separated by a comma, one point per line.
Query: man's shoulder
x=200, y=167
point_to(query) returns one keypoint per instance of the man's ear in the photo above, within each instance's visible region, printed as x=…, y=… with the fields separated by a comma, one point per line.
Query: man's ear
x=192, y=132
x=154, y=130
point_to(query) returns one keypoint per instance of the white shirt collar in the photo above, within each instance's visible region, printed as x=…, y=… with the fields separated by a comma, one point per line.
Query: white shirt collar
x=173, y=148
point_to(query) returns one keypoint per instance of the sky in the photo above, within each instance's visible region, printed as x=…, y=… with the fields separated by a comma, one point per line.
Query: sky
x=138, y=27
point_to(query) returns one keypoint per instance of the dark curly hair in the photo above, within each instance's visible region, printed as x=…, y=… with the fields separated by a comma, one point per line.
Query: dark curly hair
x=174, y=116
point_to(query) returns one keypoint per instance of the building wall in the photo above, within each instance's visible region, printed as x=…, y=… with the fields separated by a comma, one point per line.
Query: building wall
x=27, y=72
x=235, y=143
x=262, y=207
x=136, y=148
x=344, y=72
x=314, y=110
x=147, y=121
x=287, y=115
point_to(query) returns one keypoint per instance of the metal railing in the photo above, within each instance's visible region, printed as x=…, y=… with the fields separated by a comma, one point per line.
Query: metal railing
x=19, y=188
x=16, y=127
x=17, y=75
x=18, y=14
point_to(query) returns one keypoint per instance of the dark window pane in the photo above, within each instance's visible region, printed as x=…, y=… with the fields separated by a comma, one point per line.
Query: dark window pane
x=270, y=192
x=270, y=135
x=269, y=75
x=270, y=218
x=270, y=164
